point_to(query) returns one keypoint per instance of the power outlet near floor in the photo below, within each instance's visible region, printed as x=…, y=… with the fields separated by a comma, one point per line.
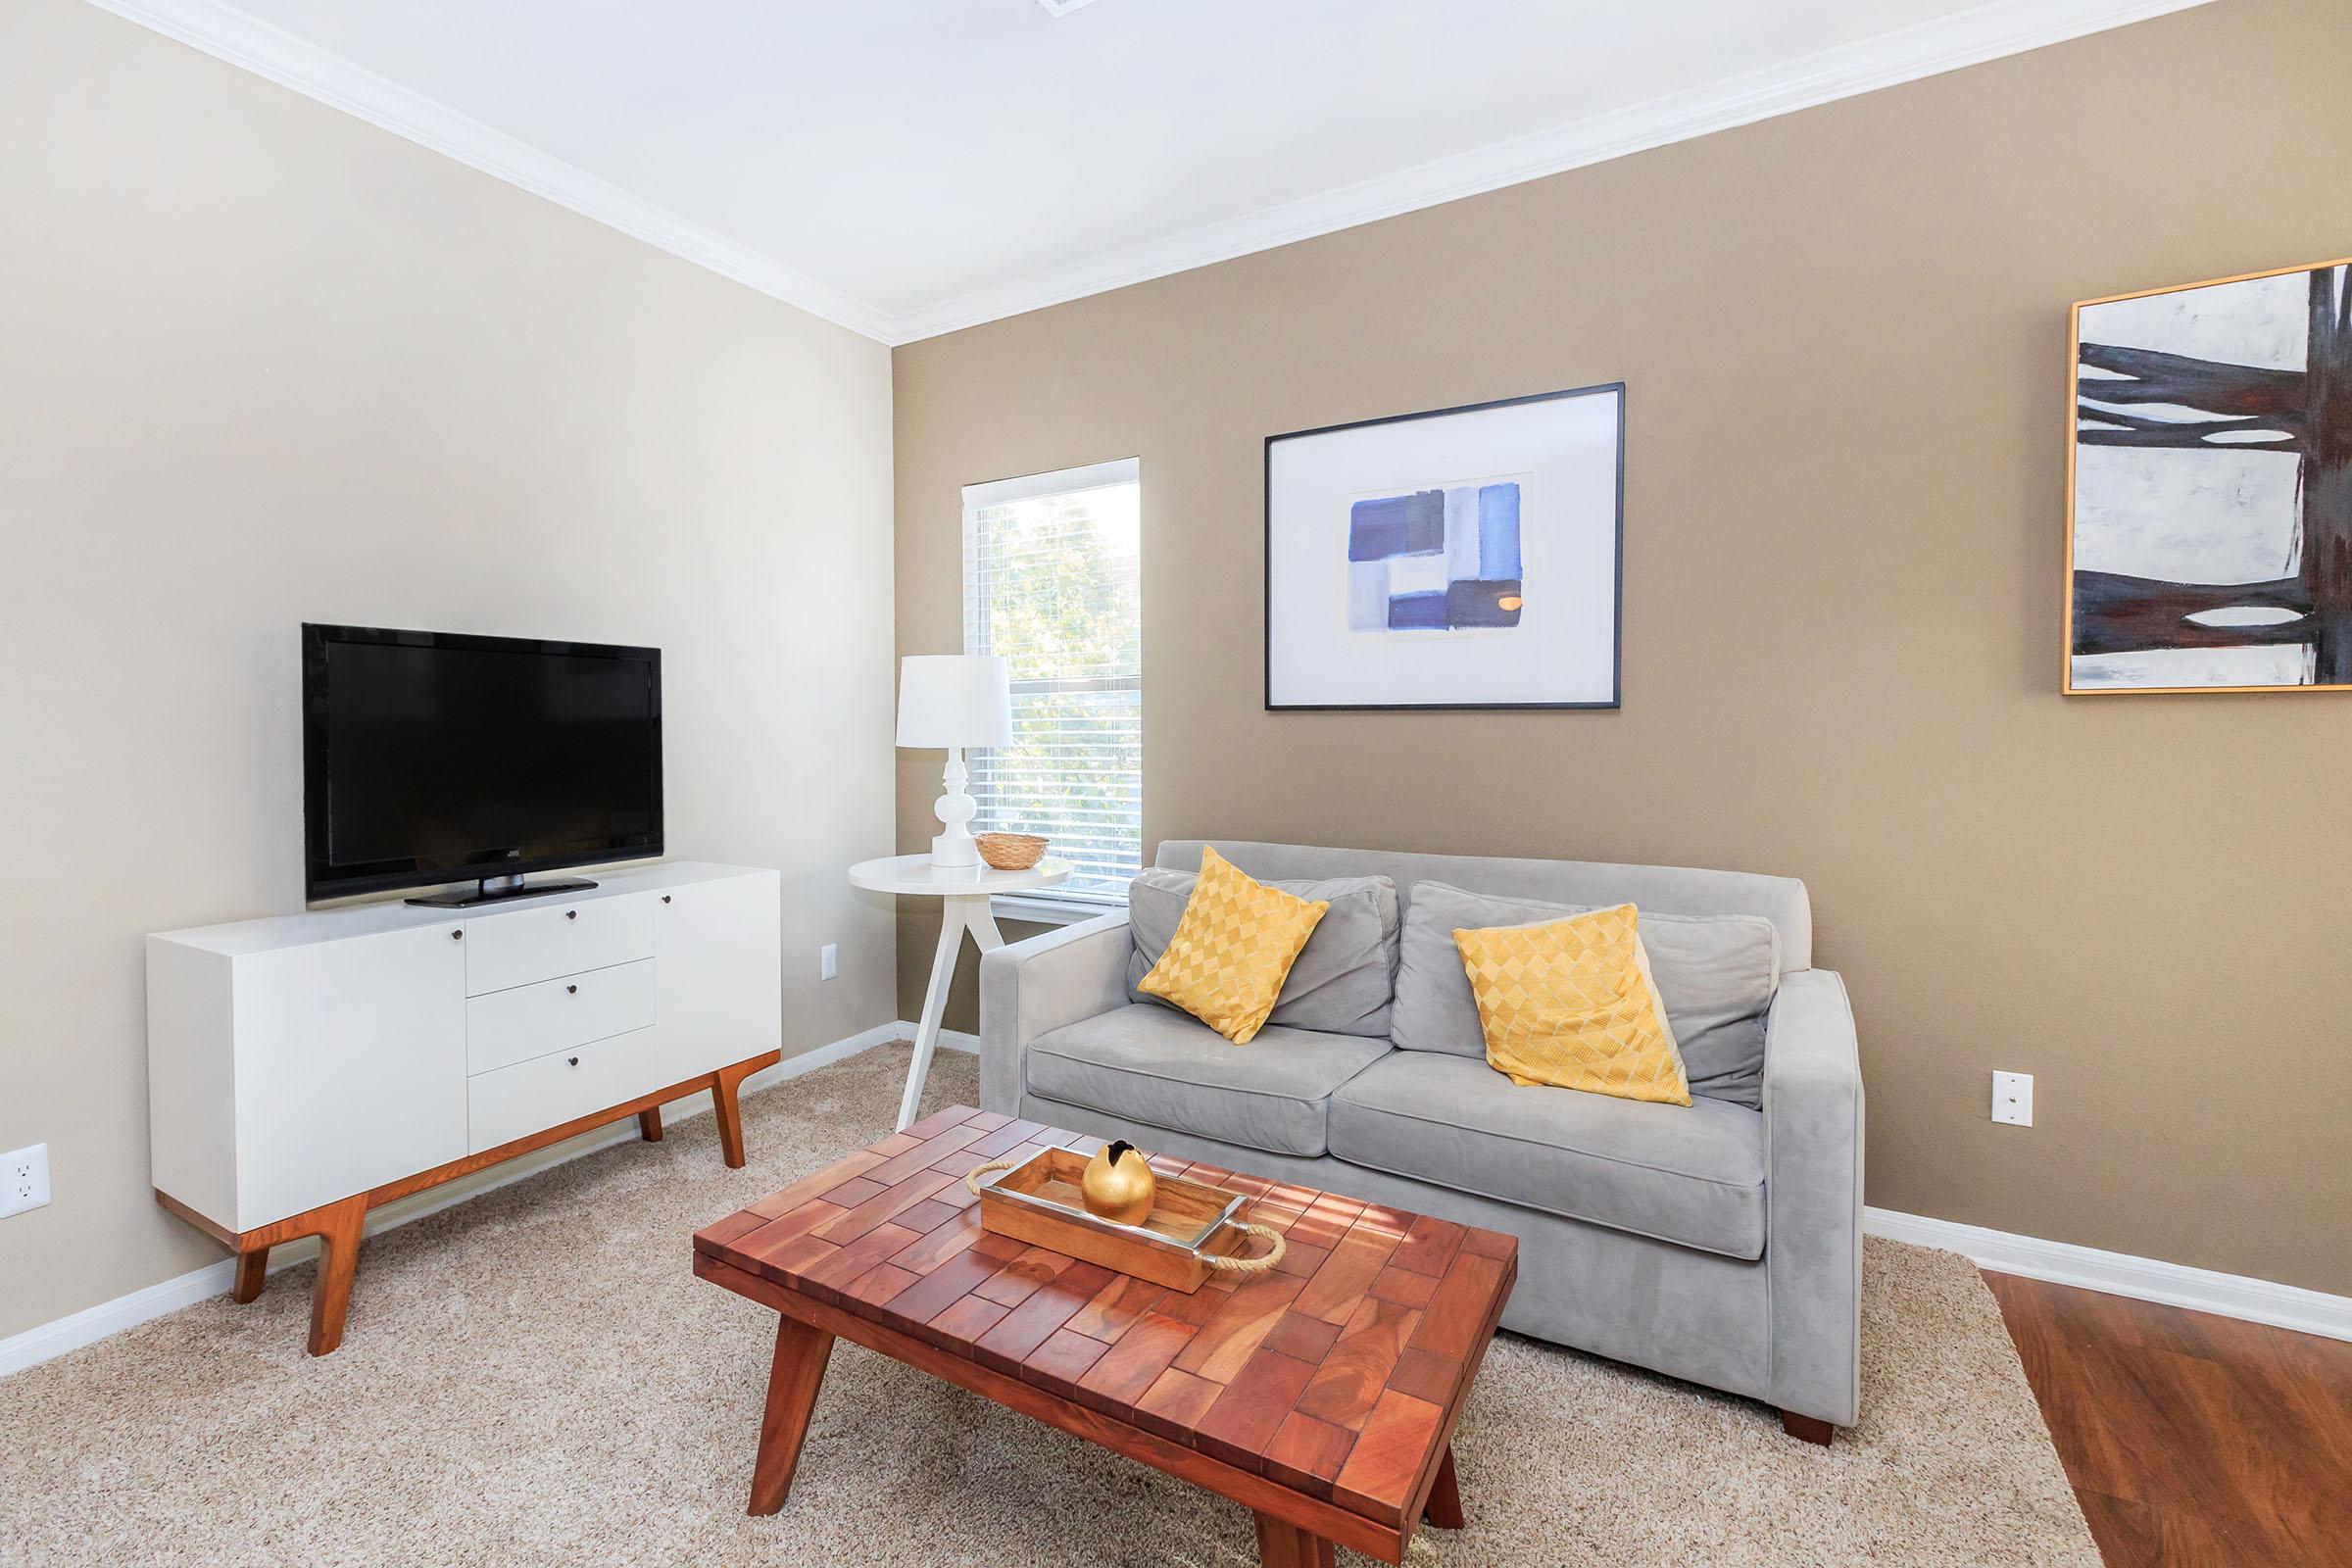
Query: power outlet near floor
x=2013, y=1099
x=23, y=1179
x=828, y=962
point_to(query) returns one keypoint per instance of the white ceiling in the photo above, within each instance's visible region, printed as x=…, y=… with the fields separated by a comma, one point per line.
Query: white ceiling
x=907, y=167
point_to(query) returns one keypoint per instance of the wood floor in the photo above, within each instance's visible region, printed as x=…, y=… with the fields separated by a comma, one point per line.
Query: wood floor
x=2192, y=1440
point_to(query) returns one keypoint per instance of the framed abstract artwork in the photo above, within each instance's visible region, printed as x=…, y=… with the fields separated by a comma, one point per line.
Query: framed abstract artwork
x=2209, y=467
x=1462, y=557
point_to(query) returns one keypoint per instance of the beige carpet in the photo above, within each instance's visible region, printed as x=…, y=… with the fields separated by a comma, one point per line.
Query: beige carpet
x=535, y=1376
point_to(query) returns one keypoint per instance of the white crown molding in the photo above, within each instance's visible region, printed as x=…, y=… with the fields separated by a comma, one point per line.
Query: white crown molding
x=1972, y=38
x=268, y=51
x=2144, y=1279
x=93, y=1324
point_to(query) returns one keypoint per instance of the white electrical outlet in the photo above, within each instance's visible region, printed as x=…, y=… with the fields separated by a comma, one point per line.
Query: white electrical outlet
x=2013, y=1099
x=23, y=1179
x=828, y=962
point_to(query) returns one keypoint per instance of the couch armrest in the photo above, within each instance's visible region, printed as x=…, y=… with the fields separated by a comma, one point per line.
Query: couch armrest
x=1031, y=988
x=1813, y=1196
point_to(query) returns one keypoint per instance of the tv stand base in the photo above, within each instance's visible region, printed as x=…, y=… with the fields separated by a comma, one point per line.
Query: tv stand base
x=497, y=890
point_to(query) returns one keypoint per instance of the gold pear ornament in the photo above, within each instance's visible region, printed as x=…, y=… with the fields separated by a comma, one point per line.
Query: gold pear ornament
x=1118, y=1184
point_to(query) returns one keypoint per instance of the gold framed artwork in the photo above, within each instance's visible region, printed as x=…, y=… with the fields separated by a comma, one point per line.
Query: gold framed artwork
x=2209, y=486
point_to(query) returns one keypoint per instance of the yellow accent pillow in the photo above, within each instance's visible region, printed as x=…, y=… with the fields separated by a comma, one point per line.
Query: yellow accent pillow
x=1233, y=947
x=1571, y=1003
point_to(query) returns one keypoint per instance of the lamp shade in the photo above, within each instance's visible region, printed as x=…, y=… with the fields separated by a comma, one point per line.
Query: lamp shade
x=954, y=700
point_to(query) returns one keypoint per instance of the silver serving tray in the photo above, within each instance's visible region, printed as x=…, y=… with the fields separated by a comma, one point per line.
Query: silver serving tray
x=994, y=1182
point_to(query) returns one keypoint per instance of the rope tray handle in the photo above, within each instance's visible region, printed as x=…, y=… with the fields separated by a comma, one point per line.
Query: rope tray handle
x=971, y=1178
x=1248, y=1265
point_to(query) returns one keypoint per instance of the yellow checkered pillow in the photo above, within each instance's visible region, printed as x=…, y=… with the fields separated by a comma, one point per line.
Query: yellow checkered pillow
x=1571, y=1003
x=1232, y=950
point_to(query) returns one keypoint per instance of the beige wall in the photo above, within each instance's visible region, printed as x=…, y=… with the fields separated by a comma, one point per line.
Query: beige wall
x=262, y=363
x=1843, y=333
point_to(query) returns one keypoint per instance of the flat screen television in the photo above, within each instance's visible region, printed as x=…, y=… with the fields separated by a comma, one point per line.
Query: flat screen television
x=430, y=757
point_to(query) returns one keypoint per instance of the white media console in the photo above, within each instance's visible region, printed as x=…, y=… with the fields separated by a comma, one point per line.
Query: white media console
x=305, y=1068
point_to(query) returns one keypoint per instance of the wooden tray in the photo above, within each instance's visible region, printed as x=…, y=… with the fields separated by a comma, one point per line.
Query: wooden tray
x=1038, y=1202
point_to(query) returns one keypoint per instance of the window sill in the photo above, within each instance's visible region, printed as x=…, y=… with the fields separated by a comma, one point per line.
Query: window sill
x=1043, y=909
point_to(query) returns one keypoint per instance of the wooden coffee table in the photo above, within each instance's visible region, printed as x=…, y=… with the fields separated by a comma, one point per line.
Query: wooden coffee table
x=1321, y=1396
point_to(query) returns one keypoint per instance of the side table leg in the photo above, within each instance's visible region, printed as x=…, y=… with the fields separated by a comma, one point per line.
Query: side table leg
x=1445, y=1505
x=649, y=1125
x=935, y=1005
x=792, y=1381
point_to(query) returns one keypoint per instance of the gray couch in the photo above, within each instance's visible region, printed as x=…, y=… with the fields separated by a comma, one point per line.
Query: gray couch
x=1718, y=1243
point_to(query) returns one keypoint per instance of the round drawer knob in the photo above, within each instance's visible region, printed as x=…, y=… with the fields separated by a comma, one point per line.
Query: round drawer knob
x=572, y=991
x=664, y=898
x=571, y=914
x=575, y=1061
x=456, y=935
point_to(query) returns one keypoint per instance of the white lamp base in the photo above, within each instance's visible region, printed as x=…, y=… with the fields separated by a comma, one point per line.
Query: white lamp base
x=953, y=846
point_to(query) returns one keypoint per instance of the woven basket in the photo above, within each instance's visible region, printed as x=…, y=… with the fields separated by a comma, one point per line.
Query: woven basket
x=1011, y=851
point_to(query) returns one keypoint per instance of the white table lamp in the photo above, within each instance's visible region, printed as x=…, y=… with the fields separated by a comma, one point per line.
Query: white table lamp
x=955, y=701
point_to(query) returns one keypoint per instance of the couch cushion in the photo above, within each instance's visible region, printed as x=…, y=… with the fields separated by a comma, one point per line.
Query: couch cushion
x=1163, y=1068
x=1572, y=1004
x=1717, y=972
x=1690, y=1174
x=1233, y=950
x=1344, y=977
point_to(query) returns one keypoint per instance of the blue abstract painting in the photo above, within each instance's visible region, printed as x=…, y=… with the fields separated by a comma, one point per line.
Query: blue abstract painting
x=1445, y=560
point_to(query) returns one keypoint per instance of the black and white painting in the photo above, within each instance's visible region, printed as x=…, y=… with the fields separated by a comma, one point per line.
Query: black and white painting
x=2211, y=519
x=1462, y=557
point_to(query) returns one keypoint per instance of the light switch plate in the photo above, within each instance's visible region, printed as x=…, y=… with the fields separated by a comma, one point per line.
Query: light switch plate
x=2013, y=1099
x=23, y=1179
x=828, y=962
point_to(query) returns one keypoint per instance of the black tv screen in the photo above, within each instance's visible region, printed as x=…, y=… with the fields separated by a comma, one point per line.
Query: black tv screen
x=436, y=756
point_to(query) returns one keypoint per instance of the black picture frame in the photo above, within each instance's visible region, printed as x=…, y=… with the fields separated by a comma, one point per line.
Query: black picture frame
x=1616, y=698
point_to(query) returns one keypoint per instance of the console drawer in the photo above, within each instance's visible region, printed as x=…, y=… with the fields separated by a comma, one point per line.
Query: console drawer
x=519, y=947
x=549, y=1091
x=521, y=1022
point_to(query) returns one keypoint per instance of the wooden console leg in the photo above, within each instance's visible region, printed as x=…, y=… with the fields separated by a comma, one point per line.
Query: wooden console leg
x=726, y=1102
x=339, y=1227
x=252, y=1268
x=1283, y=1544
x=649, y=1125
x=1807, y=1428
x=792, y=1381
x=1445, y=1505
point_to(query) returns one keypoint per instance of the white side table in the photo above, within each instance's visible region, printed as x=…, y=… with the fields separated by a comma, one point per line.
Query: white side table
x=964, y=892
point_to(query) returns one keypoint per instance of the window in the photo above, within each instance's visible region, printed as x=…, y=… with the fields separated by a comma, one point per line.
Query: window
x=1050, y=583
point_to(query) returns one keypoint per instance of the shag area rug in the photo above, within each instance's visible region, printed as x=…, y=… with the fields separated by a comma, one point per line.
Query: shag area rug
x=535, y=1376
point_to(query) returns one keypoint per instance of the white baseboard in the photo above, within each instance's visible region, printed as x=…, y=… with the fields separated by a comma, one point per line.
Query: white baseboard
x=2144, y=1279
x=93, y=1324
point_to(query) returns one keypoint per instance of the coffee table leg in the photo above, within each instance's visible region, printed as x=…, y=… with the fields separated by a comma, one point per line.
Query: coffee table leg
x=1283, y=1544
x=798, y=1372
x=1445, y=1506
